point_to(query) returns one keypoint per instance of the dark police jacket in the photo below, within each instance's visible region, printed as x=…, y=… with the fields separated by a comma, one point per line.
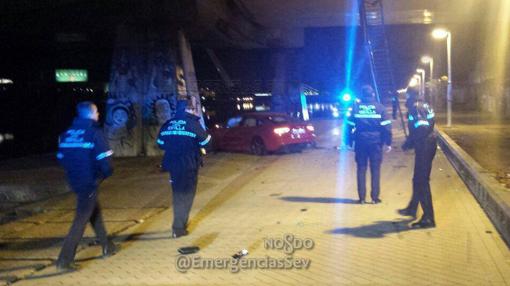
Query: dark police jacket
x=181, y=138
x=420, y=120
x=367, y=124
x=84, y=154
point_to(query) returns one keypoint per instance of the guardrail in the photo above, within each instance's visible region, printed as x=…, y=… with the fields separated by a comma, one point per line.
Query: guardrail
x=494, y=198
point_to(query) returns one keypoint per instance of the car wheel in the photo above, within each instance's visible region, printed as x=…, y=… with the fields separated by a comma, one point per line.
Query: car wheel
x=257, y=147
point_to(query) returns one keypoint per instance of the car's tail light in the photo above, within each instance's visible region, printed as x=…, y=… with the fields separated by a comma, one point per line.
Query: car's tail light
x=310, y=128
x=281, y=130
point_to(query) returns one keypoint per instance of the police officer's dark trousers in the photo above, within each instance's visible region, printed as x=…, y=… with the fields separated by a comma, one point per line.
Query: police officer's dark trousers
x=184, y=186
x=425, y=151
x=87, y=210
x=365, y=154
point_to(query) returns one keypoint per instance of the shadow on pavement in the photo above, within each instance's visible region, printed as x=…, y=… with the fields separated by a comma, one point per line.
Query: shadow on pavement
x=47, y=242
x=30, y=266
x=47, y=275
x=33, y=243
x=322, y=200
x=88, y=258
x=376, y=230
x=9, y=279
x=138, y=236
x=36, y=266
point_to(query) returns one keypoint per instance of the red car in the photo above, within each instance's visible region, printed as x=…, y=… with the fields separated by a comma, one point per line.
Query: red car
x=260, y=133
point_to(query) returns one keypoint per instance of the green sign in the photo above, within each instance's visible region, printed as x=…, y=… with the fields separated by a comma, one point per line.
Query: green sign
x=71, y=75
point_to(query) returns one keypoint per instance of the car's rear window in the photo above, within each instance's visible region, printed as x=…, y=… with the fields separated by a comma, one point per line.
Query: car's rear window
x=279, y=119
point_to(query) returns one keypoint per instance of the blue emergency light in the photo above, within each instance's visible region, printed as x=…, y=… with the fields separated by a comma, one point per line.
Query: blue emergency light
x=346, y=96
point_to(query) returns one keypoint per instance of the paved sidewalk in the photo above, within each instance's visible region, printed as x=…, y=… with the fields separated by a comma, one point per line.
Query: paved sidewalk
x=244, y=199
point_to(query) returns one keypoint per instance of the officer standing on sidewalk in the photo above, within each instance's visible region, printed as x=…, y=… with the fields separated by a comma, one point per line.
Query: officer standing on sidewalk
x=423, y=140
x=369, y=129
x=84, y=154
x=182, y=138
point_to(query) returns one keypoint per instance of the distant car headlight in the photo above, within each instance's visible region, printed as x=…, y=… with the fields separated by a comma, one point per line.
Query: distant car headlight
x=310, y=128
x=281, y=130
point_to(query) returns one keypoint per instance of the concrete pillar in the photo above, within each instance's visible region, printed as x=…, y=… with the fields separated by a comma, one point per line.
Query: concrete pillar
x=123, y=116
x=190, y=76
x=142, y=89
x=279, y=90
x=160, y=98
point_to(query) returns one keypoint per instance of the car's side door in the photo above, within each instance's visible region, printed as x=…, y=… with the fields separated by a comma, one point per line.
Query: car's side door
x=247, y=132
x=232, y=138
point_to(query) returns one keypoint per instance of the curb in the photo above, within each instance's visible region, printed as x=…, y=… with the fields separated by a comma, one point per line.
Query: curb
x=492, y=197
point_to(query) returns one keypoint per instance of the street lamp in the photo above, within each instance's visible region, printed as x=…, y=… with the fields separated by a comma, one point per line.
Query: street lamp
x=441, y=34
x=422, y=85
x=414, y=81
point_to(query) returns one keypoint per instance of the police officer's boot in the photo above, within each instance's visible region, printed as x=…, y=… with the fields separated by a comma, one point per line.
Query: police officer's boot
x=407, y=212
x=179, y=233
x=424, y=223
x=110, y=249
x=64, y=267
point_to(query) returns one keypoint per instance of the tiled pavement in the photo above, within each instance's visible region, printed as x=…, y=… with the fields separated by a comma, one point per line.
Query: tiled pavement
x=243, y=199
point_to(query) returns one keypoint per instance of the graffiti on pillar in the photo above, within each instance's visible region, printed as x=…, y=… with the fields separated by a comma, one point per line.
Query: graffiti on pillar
x=121, y=107
x=142, y=90
x=160, y=101
x=120, y=121
x=181, y=83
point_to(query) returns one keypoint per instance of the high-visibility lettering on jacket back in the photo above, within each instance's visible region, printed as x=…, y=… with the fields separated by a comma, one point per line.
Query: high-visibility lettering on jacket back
x=367, y=123
x=84, y=153
x=181, y=138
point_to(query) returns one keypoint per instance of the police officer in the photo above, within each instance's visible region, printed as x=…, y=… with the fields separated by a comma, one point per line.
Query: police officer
x=84, y=154
x=369, y=129
x=423, y=140
x=182, y=138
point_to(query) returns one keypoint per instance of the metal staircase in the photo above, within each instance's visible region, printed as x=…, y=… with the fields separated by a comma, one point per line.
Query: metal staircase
x=372, y=25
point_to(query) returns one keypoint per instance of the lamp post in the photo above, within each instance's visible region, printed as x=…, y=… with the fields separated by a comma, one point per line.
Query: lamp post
x=441, y=34
x=422, y=80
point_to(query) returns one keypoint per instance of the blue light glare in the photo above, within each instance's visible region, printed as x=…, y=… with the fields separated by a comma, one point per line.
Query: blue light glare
x=351, y=43
x=346, y=96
